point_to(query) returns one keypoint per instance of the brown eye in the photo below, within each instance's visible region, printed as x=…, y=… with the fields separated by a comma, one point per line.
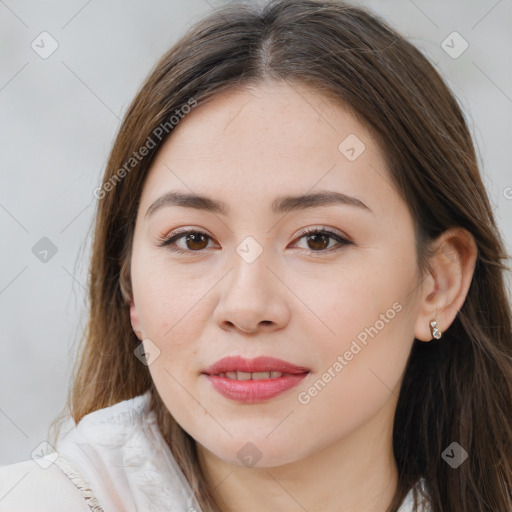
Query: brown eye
x=318, y=241
x=196, y=241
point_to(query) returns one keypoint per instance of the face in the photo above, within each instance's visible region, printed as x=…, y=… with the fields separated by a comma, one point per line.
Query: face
x=327, y=286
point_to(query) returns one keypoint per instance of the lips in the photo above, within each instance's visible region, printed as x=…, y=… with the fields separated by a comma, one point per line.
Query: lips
x=254, y=380
x=259, y=364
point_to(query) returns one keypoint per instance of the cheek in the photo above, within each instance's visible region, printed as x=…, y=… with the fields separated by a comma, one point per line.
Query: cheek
x=368, y=297
x=362, y=368
x=172, y=316
x=169, y=298
x=372, y=328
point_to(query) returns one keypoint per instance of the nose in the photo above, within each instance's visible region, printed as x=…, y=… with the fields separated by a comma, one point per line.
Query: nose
x=252, y=298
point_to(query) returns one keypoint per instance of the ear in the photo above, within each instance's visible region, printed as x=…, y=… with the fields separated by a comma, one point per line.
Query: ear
x=446, y=284
x=134, y=318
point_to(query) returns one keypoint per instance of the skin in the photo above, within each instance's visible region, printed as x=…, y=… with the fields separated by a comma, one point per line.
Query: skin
x=245, y=148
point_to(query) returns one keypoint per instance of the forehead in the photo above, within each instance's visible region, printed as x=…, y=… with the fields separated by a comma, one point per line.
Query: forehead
x=269, y=138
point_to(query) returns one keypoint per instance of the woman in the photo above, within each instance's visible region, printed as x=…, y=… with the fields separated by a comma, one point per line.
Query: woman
x=297, y=289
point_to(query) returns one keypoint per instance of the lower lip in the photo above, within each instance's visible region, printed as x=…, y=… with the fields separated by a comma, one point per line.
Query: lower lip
x=252, y=391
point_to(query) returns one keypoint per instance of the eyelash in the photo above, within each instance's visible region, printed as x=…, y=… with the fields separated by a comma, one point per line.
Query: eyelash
x=307, y=232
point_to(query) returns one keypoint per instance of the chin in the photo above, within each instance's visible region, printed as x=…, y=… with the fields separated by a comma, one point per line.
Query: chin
x=249, y=452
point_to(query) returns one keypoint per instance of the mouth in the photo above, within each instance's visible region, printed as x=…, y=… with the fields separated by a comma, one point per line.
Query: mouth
x=238, y=375
x=259, y=366
x=254, y=380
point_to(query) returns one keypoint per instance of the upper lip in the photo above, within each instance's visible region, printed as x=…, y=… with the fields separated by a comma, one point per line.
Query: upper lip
x=258, y=364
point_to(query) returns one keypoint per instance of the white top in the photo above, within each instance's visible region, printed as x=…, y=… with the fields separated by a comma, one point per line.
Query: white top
x=114, y=460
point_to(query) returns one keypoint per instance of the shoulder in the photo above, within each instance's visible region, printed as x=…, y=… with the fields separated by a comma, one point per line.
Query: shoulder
x=418, y=494
x=26, y=486
x=118, y=459
x=84, y=467
x=114, y=459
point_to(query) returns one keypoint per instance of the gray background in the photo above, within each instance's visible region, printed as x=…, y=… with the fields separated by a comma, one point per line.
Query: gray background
x=59, y=116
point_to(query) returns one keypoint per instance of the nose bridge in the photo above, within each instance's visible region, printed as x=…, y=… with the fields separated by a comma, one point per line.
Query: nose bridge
x=251, y=295
x=250, y=272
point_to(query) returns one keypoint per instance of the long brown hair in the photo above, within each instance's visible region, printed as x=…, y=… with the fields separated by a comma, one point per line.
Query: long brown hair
x=456, y=389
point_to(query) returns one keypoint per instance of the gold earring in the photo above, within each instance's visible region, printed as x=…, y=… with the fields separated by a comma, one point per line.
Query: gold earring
x=436, y=333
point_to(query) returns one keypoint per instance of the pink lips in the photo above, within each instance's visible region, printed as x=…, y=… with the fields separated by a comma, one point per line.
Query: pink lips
x=252, y=391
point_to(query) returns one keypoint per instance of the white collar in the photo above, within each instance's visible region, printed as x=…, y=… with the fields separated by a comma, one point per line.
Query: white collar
x=121, y=453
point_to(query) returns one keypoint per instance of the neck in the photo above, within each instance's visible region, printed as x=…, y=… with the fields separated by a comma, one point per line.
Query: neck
x=356, y=474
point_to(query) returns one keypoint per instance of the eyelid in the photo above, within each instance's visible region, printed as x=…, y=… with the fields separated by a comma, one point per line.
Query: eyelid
x=320, y=228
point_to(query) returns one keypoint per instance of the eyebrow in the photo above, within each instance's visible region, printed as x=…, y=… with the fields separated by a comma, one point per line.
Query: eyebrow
x=282, y=204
